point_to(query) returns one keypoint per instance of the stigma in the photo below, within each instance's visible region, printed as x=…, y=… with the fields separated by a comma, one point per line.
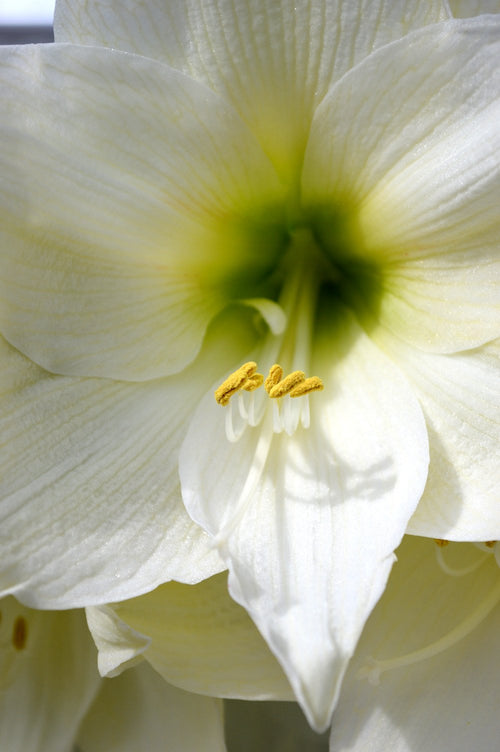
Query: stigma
x=280, y=389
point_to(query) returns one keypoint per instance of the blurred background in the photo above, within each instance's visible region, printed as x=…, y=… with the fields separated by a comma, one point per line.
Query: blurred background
x=25, y=21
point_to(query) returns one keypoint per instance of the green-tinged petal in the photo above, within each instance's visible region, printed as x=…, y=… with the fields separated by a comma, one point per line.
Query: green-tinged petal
x=307, y=524
x=447, y=702
x=91, y=508
x=459, y=394
x=48, y=677
x=195, y=636
x=140, y=711
x=273, y=61
x=408, y=144
x=468, y=8
x=134, y=204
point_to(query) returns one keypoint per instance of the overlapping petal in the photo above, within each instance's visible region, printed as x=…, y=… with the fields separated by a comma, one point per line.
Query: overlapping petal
x=273, y=61
x=459, y=394
x=449, y=701
x=91, y=507
x=48, y=677
x=145, y=204
x=408, y=143
x=139, y=710
x=195, y=636
x=307, y=524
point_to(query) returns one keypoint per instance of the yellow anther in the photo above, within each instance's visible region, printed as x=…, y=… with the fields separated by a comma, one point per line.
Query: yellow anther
x=253, y=382
x=274, y=377
x=441, y=542
x=490, y=544
x=311, y=384
x=243, y=378
x=287, y=384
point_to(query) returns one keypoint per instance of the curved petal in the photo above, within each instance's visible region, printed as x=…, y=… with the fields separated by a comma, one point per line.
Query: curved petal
x=459, y=396
x=119, y=646
x=91, y=508
x=273, y=61
x=134, y=205
x=195, y=636
x=202, y=641
x=446, y=702
x=48, y=677
x=139, y=710
x=413, y=157
x=307, y=524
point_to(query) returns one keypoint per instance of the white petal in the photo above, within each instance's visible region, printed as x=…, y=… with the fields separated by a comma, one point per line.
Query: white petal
x=140, y=711
x=195, y=636
x=134, y=204
x=308, y=524
x=273, y=61
x=408, y=143
x=468, y=8
x=48, y=677
x=91, y=508
x=449, y=702
x=459, y=394
x=119, y=646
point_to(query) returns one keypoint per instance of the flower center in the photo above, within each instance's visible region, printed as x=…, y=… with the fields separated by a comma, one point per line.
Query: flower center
x=303, y=270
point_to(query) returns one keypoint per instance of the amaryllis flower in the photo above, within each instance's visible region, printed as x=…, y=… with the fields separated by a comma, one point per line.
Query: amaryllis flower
x=303, y=195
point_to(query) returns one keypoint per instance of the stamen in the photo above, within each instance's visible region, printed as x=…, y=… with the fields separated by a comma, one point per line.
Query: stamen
x=312, y=384
x=234, y=434
x=277, y=422
x=488, y=546
x=287, y=384
x=242, y=407
x=274, y=377
x=245, y=377
x=285, y=417
x=305, y=413
x=290, y=416
x=460, y=572
x=295, y=384
x=374, y=668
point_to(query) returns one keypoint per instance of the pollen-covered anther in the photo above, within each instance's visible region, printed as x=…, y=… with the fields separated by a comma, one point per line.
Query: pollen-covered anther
x=311, y=384
x=286, y=385
x=245, y=377
x=490, y=544
x=274, y=377
x=296, y=384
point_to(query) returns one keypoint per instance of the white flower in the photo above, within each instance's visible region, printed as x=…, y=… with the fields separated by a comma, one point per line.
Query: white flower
x=333, y=166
